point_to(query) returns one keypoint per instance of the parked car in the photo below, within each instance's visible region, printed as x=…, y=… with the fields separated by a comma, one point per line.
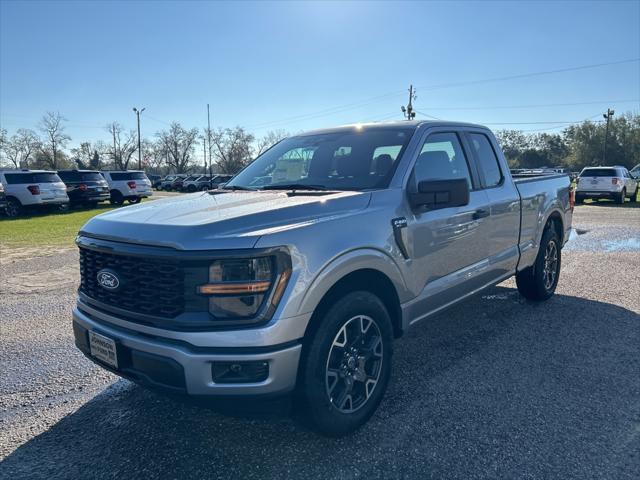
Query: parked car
x=303, y=285
x=129, y=185
x=635, y=172
x=32, y=188
x=176, y=183
x=85, y=187
x=179, y=184
x=615, y=183
x=216, y=181
x=194, y=182
x=3, y=200
x=166, y=182
x=154, y=179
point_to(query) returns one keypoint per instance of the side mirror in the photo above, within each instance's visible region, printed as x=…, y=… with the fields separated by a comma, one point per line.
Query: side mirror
x=436, y=194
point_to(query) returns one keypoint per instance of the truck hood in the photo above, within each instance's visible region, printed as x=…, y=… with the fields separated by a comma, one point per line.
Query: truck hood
x=229, y=220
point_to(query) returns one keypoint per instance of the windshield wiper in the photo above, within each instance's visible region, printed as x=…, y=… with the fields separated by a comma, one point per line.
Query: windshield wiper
x=293, y=186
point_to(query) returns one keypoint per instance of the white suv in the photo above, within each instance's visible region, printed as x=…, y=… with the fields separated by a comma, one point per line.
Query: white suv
x=130, y=185
x=26, y=188
x=606, y=182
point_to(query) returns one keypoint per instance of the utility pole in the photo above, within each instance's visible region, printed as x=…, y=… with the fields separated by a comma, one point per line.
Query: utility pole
x=204, y=151
x=209, y=140
x=138, y=112
x=115, y=153
x=408, y=111
x=607, y=116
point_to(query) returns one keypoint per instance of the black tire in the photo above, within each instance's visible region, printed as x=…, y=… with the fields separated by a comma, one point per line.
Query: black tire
x=539, y=282
x=14, y=208
x=579, y=200
x=91, y=204
x=191, y=188
x=634, y=197
x=621, y=197
x=116, y=198
x=134, y=200
x=361, y=372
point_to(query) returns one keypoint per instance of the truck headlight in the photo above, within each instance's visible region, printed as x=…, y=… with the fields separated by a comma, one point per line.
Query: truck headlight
x=245, y=288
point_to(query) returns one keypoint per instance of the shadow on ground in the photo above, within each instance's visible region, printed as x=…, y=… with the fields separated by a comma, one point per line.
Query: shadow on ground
x=496, y=387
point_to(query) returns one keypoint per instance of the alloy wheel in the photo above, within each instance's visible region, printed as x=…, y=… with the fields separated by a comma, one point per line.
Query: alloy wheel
x=354, y=364
x=550, y=270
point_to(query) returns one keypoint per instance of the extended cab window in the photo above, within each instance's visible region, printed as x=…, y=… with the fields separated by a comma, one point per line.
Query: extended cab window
x=442, y=158
x=487, y=159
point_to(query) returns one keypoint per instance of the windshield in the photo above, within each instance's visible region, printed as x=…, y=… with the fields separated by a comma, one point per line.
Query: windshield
x=346, y=160
x=599, y=172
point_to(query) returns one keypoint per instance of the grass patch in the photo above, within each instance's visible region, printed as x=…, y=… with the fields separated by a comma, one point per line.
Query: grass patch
x=44, y=228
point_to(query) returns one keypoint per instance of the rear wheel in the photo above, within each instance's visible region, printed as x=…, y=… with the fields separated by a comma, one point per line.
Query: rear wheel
x=539, y=282
x=579, y=200
x=346, y=364
x=634, y=197
x=134, y=200
x=116, y=198
x=621, y=197
x=14, y=208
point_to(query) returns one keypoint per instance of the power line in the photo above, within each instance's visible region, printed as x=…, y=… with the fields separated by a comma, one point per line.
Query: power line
x=528, y=75
x=498, y=107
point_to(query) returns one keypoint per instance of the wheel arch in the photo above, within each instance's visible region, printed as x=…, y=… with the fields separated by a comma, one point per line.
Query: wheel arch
x=368, y=279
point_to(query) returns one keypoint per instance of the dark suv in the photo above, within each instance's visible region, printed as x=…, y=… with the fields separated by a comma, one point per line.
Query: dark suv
x=86, y=187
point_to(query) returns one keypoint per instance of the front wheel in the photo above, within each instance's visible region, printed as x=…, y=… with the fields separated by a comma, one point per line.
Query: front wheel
x=116, y=198
x=539, y=282
x=346, y=364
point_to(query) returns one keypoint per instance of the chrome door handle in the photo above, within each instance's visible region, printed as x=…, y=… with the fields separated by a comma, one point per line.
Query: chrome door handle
x=478, y=214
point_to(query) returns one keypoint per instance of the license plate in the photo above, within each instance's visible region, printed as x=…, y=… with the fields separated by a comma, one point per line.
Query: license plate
x=594, y=182
x=103, y=348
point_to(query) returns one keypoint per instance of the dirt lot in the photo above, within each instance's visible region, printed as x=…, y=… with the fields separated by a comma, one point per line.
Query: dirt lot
x=493, y=388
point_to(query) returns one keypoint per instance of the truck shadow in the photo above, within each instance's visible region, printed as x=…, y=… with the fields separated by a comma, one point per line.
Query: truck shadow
x=487, y=374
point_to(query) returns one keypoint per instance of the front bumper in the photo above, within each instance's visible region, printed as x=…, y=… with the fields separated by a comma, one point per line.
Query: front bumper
x=182, y=367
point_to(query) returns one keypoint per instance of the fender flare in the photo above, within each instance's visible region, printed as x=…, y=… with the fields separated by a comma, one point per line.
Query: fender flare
x=344, y=264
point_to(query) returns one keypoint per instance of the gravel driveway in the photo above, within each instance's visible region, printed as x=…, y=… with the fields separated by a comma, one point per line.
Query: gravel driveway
x=493, y=388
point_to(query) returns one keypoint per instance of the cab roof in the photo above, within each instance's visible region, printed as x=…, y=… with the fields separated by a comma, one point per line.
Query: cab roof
x=406, y=124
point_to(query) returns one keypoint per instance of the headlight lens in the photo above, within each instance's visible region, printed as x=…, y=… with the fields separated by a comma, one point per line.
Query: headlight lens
x=239, y=287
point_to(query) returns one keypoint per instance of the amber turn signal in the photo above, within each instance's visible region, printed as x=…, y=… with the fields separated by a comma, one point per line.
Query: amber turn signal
x=234, y=288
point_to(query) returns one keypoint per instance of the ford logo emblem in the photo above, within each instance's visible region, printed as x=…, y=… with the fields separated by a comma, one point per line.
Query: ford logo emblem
x=108, y=280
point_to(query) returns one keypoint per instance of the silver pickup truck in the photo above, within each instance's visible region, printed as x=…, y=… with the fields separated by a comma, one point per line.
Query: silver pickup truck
x=301, y=284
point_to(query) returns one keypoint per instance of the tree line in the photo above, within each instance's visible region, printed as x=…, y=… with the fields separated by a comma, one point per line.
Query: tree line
x=577, y=146
x=173, y=150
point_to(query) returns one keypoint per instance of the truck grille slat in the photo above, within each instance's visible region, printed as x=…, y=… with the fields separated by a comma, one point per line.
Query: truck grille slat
x=148, y=286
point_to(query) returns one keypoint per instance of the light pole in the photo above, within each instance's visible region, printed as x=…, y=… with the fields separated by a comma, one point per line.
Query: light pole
x=138, y=112
x=607, y=116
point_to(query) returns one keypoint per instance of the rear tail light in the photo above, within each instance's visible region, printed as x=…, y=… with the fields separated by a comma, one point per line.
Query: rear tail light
x=82, y=187
x=131, y=185
x=34, y=189
x=614, y=181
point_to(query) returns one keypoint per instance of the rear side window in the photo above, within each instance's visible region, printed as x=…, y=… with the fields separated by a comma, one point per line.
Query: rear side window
x=116, y=176
x=17, y=178
x=442, y=158
x=487, y=159
x=599, y=172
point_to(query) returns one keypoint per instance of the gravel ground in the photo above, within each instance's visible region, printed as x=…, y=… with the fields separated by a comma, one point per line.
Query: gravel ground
x=493, y=388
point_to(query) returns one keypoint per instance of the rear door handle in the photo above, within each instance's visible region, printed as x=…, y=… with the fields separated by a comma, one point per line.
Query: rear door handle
x=478, y=214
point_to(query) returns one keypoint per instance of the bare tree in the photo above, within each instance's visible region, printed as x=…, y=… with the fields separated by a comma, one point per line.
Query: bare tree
x=52, y=127
x=179, y=145
x=87, y=155
x=20, y=147
x=124, y=145
x=269, y=140
x=232, y=149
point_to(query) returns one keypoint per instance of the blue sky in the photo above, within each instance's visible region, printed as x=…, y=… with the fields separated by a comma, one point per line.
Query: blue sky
x=299, y=66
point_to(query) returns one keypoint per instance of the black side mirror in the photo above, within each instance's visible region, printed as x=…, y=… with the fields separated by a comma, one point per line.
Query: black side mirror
x=436, y=194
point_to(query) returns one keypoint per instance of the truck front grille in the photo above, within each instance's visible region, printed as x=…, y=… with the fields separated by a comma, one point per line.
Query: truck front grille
x=146, y=286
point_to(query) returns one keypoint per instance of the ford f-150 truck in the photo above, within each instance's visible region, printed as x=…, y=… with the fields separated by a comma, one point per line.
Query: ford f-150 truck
x=302, y=284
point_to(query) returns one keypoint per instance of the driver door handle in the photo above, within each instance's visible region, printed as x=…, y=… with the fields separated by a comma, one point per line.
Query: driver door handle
x=481, y=213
